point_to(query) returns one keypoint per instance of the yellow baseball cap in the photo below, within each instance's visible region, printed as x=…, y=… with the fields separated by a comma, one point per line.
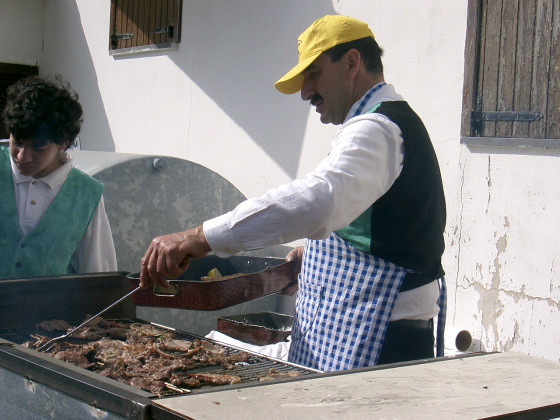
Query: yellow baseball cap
x=322, y=35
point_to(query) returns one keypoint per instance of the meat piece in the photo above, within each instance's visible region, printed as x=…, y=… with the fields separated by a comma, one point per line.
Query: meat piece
x=101, y=323
x=215, y=379
x=108, y=351
x=172, y=344
x=274, y=374
x=228, y=361
x=150, y=330
x=209, y=347
x=117, y=333
x=76, y=357
x=92, y=334
x=185, y=381
x=148, y=384
x=54, y=325
x=134, y=337
x=38, y=341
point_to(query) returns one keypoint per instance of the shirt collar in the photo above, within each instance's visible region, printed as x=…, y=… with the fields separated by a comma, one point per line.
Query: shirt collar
x=359, y=107
x=53, y=180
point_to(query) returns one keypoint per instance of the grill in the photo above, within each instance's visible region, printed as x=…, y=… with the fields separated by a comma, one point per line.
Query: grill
x=24, y=303
x=248, y=371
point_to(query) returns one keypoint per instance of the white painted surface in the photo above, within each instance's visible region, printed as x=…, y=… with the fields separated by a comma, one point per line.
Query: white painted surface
x=474, y=387
x=212, y=101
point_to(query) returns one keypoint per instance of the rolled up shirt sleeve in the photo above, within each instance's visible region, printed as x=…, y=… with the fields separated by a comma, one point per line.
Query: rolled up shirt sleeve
x=365, y=159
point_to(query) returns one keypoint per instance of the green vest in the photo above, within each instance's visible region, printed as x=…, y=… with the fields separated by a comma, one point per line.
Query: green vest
x=358, y=233
x=48, y=248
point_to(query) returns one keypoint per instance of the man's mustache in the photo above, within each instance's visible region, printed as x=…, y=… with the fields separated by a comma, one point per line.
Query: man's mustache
x=316, y=98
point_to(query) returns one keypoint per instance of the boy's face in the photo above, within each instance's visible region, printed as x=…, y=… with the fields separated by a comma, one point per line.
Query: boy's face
x=35, y=160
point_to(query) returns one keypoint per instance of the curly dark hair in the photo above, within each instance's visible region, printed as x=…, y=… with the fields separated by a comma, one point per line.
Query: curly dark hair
x=368, y=48
x=44, y=110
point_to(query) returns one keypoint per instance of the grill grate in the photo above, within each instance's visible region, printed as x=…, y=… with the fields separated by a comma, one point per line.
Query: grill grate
x=248, y=372
x=16, y=336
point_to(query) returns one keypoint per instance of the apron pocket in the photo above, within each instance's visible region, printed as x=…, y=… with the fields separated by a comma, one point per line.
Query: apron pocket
x=307, y=306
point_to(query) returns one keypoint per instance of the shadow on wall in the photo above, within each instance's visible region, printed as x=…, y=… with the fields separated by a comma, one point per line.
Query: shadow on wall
x=256, y=48
x=66, y=47
x=235, y=52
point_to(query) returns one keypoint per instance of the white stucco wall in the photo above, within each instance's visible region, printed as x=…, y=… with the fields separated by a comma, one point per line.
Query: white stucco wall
x=21, y=31
x=212, y=101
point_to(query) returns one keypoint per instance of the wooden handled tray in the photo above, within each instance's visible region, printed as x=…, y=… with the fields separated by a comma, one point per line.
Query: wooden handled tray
x=244, y=278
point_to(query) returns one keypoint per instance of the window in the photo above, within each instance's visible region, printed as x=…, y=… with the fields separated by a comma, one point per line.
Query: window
x=9, y=74
x=143, y=25
x=511, y=93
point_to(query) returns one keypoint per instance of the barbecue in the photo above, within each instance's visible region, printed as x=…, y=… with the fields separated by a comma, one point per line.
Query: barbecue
x=97, y=366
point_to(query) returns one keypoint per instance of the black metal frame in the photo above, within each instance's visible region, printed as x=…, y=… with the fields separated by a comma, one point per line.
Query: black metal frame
x=91, y=388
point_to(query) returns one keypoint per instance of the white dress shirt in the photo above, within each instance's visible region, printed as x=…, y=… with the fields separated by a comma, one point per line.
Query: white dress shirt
x=96, y=250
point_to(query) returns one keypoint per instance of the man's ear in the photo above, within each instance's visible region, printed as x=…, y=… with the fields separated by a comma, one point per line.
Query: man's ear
x=62, y=147
x=353, y=61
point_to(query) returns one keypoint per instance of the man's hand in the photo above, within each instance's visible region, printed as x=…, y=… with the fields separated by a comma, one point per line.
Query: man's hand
x=296, y=255
x=168, y=256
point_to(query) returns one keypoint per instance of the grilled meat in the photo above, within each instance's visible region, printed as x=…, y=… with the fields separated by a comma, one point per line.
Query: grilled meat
x=54, y=325
x=274, y=374
x=216, y=379
x=144, y=356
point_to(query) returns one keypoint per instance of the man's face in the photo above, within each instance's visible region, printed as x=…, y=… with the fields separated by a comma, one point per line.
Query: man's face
x=32, y=160
x=326, y=86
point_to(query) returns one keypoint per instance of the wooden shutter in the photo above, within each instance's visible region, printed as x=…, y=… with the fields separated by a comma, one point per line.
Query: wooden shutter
x=512, y=57
x=141, y=23
x=9, y=74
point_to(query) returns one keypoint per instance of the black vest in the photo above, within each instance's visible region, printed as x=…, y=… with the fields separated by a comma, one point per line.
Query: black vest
x=408, y=221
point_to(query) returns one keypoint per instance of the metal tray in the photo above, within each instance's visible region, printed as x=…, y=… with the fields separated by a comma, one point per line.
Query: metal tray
x=259, y=328
x=244, y=278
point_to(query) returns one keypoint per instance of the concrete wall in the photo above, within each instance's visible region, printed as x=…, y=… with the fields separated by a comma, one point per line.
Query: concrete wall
x=212, y=101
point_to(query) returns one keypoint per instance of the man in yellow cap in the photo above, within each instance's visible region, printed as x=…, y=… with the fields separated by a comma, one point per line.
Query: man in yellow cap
x=372, y=212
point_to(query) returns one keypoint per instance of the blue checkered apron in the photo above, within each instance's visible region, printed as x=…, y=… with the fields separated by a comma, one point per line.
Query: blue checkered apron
x=343, y=306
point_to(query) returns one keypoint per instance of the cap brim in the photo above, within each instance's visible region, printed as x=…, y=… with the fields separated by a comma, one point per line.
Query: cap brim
x=292, y=81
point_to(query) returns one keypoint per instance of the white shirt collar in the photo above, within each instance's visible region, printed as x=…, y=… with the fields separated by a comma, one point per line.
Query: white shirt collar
x=385, y=94
x=54, y=180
